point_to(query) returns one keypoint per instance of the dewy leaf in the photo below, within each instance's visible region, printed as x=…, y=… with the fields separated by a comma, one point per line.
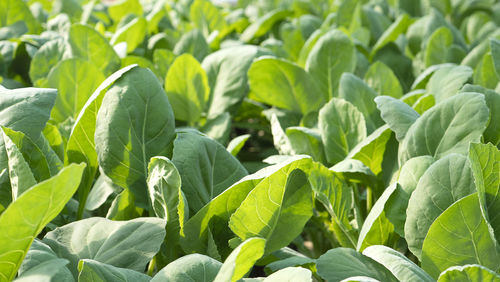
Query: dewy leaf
x=194, y=267
x=91, y=270
x=126, y=244
x=283, y=84
x=187, y=88
x=81, y=145
x=288, y=208
x=402, y=268
x=25, y=218
x=20, y=175
x=447, y=80
x=485, y=164
x=205, y=166
x=218, y=211
x=327, y=66
x=227, y=76
x=342, y=127
x=341, y=263
x=75, y=80
x=446, y=128
x=241, y=260
x=383, y=80
x=263, y=24
x=85, y=42
x=397, y=114
x=445, y=182
x=134, y=123
x=459, y=236
x=355, y=91
x=468, y=273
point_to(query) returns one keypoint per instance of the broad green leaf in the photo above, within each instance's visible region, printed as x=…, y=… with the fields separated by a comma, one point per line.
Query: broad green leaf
x=133, y=33
x=81, y=145
x=193, y=43
x=484, y=73
x=25, y=218
x=342, y=127
x=383, y=80
x=459, y=236
x=75, y=80
x=468, y=273
x=205, y=166
x=289, y=207
x=45, y=59
x=377, y=229
x=424, y=103
x=438, y=46
x=280, y=83
x=402, y=268
x=13, y=11
x=341, y=263
x=237, y=144
x=445, y=182
x=126, y=244
x=495, y=53
x=307, y=141
x=423, y=78
x=371, y=150
x=227, y=76
x=485, y=165
x=355, y=91
x=218, y=211
x=93, y=271
x=163, y=59
x=446, y=81
x=41, y=259
x=123, y=207
x=194, y=267
x=164, y=186
x=187, y=88
x=327, y=66
x=119, y=10
x=280, y=140
x=241, y=260
x=398, y=27
x=397, y=114
x=133, y=125
x=55, y=139
x=446, y=128
x=263, y=24
x=20, y=175
x=101, y=190
x=206, y=17
x=291, y=274
x=86, y=43
x=355, y=171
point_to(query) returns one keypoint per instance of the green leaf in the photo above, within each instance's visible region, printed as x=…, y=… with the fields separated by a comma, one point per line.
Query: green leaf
x=123, y=8
x=397, y=114
x=206, y=17
x=81, y=144
x=280, y=140
x=227, y=76
x=289, y=207
x=20, y=175
x=193, y=43
x=355, y=91
x=280, y=83
x=241, y=260
x=484, y=73
x=93, y=271
x=471, y=272
x=438, y=46
x=194, y=267
x=327, y=66
x=424, y=103
x=290, y=274
x=75, y=80
x=123, y=207
x=25, y=218
x=55, y=139
x=187, y=88
x=495, y=53
x=86, y=43
x=446, y=81
x=459, y=236
x=342, y=127
x=45, y=271
x=398, y=27
x=12, y=11
x=402, y=268
x=446, y=128
x=126, y=244
x=485, y=165
x=237, y=144
x=263, y=24
x=341, y=263
x=45, y=59
x=307, y=141
x=218, y=128
x=445, y=182
x=383, y=80
x=133, y=125
x=216, y=214
x=133, y=33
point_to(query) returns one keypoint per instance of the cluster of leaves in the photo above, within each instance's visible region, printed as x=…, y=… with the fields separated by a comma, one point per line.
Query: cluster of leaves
x=261, y=140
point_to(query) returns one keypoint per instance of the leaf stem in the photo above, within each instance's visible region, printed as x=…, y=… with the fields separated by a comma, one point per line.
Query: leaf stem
x=151, y=266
